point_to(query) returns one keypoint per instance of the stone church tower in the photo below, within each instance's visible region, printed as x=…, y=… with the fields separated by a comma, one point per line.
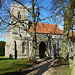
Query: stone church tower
x=17, y=42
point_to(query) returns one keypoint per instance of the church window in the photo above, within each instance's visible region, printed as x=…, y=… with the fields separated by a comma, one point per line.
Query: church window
x=15, y=32
x=19, y=29
x=57, y=36
x=20, y=35
x=23, y=25
x=23, y=47
x=19, y=15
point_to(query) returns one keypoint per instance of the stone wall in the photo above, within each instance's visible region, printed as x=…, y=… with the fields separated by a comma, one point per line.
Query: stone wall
x=53, y=44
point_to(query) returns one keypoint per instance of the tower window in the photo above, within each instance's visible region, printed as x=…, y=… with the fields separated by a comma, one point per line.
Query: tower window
x=19, y=15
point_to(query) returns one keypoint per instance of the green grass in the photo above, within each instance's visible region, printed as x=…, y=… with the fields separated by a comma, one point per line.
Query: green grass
x=65, y=70
x=11, y=65
x=63, y=67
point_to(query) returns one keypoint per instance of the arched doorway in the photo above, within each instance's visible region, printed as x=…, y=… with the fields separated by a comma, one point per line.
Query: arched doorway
x=42, y=49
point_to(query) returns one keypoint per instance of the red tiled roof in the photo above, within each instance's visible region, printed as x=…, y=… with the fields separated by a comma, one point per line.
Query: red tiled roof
x=54, y=29
x=46, y=28
x=72, y=36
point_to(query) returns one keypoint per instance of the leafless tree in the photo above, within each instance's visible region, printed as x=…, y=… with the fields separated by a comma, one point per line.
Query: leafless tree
x=63, y=10
x=34, y=13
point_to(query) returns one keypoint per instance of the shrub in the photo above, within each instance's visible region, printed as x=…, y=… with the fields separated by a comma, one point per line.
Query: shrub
x=2, y=48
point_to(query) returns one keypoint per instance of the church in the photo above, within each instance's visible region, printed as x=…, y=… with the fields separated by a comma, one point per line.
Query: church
x=19, y=42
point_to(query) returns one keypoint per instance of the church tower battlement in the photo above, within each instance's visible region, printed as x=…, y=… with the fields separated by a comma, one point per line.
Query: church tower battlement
x=18, y=12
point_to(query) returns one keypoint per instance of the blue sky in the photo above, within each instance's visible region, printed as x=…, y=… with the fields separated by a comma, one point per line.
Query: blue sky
x=43, y=13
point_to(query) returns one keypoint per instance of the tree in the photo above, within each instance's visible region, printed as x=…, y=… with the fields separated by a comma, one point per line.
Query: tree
x=73, y=64
x=34, y=13
x=2, y=48
x=65, y=9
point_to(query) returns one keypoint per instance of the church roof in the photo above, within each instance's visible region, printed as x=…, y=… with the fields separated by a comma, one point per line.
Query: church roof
x=51, y=28
x=72, y=36
x=46, y=28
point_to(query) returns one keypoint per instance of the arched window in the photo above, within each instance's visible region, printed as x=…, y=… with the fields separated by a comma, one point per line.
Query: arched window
x=19, y=15
x=19, y=29
x=23, y=47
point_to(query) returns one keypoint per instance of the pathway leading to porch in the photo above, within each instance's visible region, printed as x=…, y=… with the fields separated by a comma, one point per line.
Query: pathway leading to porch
x=43, y=68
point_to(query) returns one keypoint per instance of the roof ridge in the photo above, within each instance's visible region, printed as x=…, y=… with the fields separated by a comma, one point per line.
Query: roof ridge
x=47, y=23
x=46, y=28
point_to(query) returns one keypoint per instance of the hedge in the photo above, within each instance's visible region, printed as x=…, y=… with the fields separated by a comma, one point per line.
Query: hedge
x=2, y=48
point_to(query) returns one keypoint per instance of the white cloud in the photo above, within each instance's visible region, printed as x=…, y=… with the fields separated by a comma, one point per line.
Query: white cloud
x=61, y=27
x=29, y=5
x=0, y=20
x=2, y=35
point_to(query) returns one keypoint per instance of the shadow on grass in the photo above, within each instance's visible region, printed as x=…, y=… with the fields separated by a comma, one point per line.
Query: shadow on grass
x=12, y=73
x=17, y=72
x=60, y=62
x=5, y=59
x=37, y=67
x=31, y=68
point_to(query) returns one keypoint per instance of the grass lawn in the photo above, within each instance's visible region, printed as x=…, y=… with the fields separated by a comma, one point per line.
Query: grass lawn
x=65, y=70
x=11, y=65
x=62, y=70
